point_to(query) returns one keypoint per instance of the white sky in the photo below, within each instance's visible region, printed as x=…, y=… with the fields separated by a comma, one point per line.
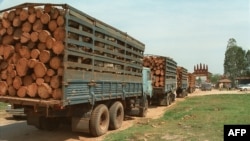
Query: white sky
x=189, y=31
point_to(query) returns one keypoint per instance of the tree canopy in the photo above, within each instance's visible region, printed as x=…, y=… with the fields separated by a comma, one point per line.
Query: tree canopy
x=236, y=62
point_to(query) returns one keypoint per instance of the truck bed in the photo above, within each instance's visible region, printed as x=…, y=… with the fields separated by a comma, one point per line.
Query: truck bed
x=99, y=61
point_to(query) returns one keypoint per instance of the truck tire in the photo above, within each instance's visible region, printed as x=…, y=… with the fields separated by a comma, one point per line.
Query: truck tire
x=99, y=121
x=143, y=108
x=116, y=114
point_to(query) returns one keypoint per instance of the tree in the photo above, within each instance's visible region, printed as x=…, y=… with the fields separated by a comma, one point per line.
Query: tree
x=215, y=78
x=231, y=43
x=235, y=62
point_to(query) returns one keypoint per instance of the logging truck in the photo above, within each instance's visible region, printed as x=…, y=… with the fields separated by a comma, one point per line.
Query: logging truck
x=59, y=63
x=163, y=71
x=182, y=81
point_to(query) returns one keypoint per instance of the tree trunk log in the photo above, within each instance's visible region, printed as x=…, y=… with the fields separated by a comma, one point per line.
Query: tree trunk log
x=21, y=92
x=57, y=94
x=44, y=91
x=4, y=88
x=22, y=67
x=44, y=56
x=40, y=69
x=32, y=90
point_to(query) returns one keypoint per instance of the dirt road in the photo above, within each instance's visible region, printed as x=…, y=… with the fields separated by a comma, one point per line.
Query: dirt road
x=12, y=130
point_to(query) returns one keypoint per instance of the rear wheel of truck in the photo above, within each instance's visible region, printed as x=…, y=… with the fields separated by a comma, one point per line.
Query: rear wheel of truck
x=116, y=114
x=99, y=121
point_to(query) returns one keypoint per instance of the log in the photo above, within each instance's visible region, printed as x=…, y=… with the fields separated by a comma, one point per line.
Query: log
x=11, y=91
x=32, y=63
x=32, y=18
x=41, y=46
x=43, y=35
x=49, y=42
x=55, y=82
x=11, y=15
x=55, y=62
x=26, y=27
x=60, y=20
x=44, y=56
x=10, y=68
x=17, y=82
x=24, y=15
x=21, y=92
x=50, y=72
x=37, y=26
x=18, y=11
x=44, y=91
x=47, y=8
x=32, y=90
x=45, y=18
x=31, y=9
x=52, y=25
x=17, y=34
x=57, y=94
x=25, y=37
x=34, y=36
x=8, y=51
x=2, y=31
x=34, y=53
x=4, y=88
x=24, y=52
x=13, y=73
x=58, y=47
x=7, y=40
x=3, y=75
x=9, y=80
x=22, y=67
x=10, y=30
x=54, y=13
x=39, y=12
x=3, y=65
x=40, y=69
x=6, y=23
x=39, y=81
x=59, y=34
x=16, y=22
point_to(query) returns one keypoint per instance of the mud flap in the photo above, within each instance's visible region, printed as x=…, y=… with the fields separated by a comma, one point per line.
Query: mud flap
x=80, y=124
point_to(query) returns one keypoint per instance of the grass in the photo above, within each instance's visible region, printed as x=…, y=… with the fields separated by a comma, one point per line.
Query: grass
x=196, y=118
x=2, y=106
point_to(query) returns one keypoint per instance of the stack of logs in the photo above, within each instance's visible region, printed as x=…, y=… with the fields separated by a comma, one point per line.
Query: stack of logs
x=157, y=66
x=31, y=52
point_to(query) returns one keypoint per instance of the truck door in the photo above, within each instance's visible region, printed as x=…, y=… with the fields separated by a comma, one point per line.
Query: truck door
x=147, y=81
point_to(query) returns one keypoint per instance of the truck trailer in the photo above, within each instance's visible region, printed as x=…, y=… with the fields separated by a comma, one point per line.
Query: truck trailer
x=182, y=82
x=163, y=71
x=59, y=63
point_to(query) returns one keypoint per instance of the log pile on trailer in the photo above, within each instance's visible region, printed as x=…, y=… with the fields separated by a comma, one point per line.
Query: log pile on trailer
x=31, y=50
x=182, y=79
x=158, y=68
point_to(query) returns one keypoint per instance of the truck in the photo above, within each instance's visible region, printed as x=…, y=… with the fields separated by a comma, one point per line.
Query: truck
x=61, y=65
x=191, y=83
x=182, y=82
x=163, y=71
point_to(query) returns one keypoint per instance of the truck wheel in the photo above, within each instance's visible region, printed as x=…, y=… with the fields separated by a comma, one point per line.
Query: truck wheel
x=143, y=109
x=99, y=121
x=116, y=114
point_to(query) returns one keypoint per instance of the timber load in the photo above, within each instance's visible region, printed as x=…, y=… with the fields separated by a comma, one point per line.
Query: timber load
x=163, y=69
x=44, y=46
x=31, y=52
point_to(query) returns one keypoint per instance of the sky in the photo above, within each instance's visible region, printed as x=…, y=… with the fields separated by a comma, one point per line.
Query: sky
x=189, y=31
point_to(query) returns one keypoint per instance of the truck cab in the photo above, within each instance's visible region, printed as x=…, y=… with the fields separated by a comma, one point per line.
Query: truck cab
x=147, y=82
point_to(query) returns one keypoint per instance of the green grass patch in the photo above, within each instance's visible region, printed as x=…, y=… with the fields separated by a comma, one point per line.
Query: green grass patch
x=195, y=119
x=3, y=106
